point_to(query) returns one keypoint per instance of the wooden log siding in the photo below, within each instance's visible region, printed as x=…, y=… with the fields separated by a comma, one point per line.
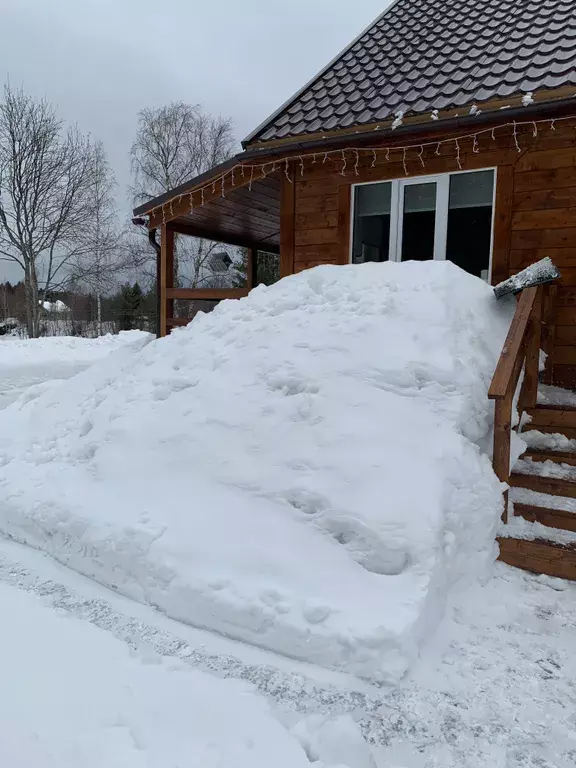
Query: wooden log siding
x=535, y=214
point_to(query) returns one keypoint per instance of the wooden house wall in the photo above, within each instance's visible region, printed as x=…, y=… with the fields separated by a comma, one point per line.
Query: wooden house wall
x=535, y=212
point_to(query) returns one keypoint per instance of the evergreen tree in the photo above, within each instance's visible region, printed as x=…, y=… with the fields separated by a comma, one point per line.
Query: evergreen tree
x=130, y=310
x=267, y=269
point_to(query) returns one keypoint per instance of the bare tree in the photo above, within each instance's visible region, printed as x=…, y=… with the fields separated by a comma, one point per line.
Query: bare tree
x=174, y=144
x=101, y=250
x=45, y=176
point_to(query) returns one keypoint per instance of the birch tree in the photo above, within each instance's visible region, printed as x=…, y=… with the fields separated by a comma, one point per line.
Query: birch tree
x=101, y=253
x=46, y=173
x=174, y=144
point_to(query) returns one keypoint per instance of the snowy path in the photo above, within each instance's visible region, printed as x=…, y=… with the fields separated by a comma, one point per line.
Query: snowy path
x=497, y=686
x=73, y=695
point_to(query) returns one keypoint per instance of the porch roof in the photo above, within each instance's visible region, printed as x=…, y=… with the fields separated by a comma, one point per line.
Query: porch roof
x=243, y=217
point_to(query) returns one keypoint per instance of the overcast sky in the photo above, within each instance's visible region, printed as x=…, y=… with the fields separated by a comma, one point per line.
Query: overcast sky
x=101, y=61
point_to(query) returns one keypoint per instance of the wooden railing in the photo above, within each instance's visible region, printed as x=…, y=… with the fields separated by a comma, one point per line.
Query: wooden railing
x=521, y=351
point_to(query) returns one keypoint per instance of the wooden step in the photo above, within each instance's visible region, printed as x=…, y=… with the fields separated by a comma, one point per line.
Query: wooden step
x=539, y=556
x=553, y=418
x=552, y=518
x=559, y=457
x=553, y=486
x=553, y=415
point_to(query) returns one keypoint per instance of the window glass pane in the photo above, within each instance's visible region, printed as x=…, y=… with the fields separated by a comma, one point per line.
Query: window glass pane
x=470, y=221
x=420, y=197
x=471, y=189
x=371, y=222
x=373, y=199
x=419, y=222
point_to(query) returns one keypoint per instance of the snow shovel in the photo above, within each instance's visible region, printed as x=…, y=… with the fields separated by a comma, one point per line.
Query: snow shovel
x=543, y=271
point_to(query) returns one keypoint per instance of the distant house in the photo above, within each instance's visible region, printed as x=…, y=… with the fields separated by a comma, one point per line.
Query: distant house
x=446, y=130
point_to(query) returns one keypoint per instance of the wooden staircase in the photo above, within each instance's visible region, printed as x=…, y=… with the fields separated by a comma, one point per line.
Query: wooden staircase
x=543, y=492
x=539, y=531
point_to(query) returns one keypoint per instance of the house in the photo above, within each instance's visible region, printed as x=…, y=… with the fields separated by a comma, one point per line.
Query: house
x=443, y=131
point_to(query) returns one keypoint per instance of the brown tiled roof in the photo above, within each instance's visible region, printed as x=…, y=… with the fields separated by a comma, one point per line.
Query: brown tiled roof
x=421, y=55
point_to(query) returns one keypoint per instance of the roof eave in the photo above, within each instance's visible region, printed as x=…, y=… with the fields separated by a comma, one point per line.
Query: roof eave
x=540, y=109
x=186, y=186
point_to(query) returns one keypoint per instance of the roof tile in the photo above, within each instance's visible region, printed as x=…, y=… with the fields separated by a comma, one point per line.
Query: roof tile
x=423, y=56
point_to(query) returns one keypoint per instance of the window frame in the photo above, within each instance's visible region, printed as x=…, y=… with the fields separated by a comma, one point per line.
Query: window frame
x=399, y=184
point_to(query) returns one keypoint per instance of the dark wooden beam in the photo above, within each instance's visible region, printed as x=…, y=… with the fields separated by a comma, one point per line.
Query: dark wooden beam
x=251, y=268
x=239, y=219
x=166, y=277
x=183, y=203
x=206, y=294
x=222, y=237
x=344, y=203
x=242, y=208
x=287, y=222
x=502, y=223
x=172, y=322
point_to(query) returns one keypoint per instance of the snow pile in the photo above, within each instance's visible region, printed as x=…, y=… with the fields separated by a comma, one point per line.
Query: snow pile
x=73, y=696
x=302, y=469
x=25, y=362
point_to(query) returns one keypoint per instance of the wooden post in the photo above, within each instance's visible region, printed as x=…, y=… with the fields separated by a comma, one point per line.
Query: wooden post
x=166, y=277
x=532, y=363
x=549, y=329
x=287, y=220
x=502, y=429
x=251, y=268
x=344, y=202
x=502, y=223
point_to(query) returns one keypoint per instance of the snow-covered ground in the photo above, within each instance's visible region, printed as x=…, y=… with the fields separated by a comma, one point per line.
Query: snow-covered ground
x=303, y=469
x=495, y=686
x=72, y=695
x=26, y=362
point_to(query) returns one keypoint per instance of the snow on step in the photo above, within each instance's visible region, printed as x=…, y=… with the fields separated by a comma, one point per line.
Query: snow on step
x=545, y=469
x=548, y=441
x=519, y=528
x=550, y=395
x=536, y=499
x=557, y=457
x=299, y=469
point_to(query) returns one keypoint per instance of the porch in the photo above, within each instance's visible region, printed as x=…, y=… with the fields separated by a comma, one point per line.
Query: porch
x=223, y=205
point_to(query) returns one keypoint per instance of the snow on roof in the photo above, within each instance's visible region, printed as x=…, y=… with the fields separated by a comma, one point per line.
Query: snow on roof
x=301, y=469
x=54, y=306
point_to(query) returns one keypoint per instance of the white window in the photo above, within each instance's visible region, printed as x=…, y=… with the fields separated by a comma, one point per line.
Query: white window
x=427, y=217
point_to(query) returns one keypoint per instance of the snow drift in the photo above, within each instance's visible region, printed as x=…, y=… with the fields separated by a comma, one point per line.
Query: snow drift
x=28, y=362
x=303, y=469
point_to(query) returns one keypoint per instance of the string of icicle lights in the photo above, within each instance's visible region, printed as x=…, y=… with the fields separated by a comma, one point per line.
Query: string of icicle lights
x=350, y=158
